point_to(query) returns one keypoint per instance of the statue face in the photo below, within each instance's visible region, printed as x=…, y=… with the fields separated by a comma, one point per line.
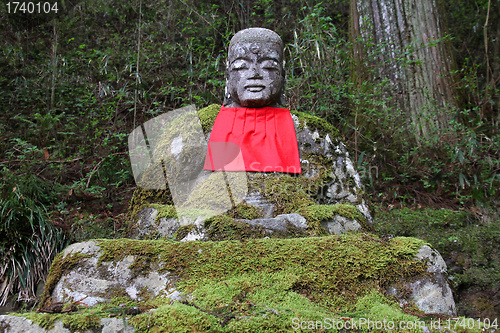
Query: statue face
x=255, y=74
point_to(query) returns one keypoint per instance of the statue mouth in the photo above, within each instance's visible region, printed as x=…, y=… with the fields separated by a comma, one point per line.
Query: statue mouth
x=255, y=88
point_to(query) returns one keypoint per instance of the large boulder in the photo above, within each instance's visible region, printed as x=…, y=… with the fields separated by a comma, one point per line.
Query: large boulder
x=263, y=283
x=328, y=194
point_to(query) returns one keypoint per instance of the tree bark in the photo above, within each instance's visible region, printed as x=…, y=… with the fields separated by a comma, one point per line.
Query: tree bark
x=401, y=42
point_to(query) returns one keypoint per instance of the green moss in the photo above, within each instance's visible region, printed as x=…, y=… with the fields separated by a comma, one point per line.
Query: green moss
x=44, y=320
x=154, y=177
x=370, y=257
x=245, y=211
x=378, y=308
x=164, y=211
x=207, y=116
x=183, y=231
x=292, y=194
x=175, y=318
x=471, y=243
x=257, y=279
x=118, y=295
x=315, y=123
x=83, y=318
x=185, y=127
x=223, y=227
x=318, y=213
x=270, y=306
x=60, y=265
x=287, y=193
x=142, y=198
x=174, y=255
x=213, y=192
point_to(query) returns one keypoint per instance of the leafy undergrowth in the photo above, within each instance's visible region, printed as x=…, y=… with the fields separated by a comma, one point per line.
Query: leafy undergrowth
x=28, y=244
x=469, y=244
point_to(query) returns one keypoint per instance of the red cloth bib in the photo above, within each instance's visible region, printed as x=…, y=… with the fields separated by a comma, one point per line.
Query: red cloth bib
x=253, y=139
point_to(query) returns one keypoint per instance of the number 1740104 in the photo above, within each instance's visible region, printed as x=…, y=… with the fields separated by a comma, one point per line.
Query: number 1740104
x=31, y=7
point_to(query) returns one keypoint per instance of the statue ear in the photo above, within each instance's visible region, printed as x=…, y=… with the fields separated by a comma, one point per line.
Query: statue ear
x=227, y=95
x=282, y=101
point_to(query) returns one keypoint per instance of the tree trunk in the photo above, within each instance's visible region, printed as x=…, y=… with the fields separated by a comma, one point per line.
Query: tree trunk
x=400, y=42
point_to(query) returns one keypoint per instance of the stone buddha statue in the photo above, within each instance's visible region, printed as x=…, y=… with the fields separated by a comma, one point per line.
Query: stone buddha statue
x=255, y=75
x=253, y=118
x=265, y=168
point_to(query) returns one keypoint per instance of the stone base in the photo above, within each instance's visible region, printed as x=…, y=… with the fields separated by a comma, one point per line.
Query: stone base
x=95, y=277
x=13, y=324
x=150, y=226
x=311, y=273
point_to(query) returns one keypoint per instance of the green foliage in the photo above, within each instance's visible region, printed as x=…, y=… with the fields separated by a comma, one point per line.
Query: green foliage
x=318, y=47
x=29, y=243
x=453, y=166
x=90, y=226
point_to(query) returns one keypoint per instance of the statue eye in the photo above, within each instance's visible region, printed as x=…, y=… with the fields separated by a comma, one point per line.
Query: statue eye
x=239, y=65
x=270, y=65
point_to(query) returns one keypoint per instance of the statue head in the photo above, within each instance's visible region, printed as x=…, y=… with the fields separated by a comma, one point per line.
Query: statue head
x=255, y=74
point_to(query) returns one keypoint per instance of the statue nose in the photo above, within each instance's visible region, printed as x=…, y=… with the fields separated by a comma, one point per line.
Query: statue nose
x=256, y=72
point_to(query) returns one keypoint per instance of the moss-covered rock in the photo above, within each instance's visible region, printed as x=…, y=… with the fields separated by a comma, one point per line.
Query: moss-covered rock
x=207, y=117
x=239, y=285
x=282, y=226
x=470, y=246
x=328, y=179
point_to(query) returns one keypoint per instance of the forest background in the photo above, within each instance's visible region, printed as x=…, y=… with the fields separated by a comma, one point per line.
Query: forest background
x=74, y=83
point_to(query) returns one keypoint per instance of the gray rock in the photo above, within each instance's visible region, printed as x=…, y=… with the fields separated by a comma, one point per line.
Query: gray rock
x=14, y=324
x=194, y=234
x=340, y=224
x=168, y=227
x=345, y=186
x=324, y=158
x=279, y=223
x=113, y=325
x=148, y=226
x=93, y=282
x=257, y=200
x=431, y=294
